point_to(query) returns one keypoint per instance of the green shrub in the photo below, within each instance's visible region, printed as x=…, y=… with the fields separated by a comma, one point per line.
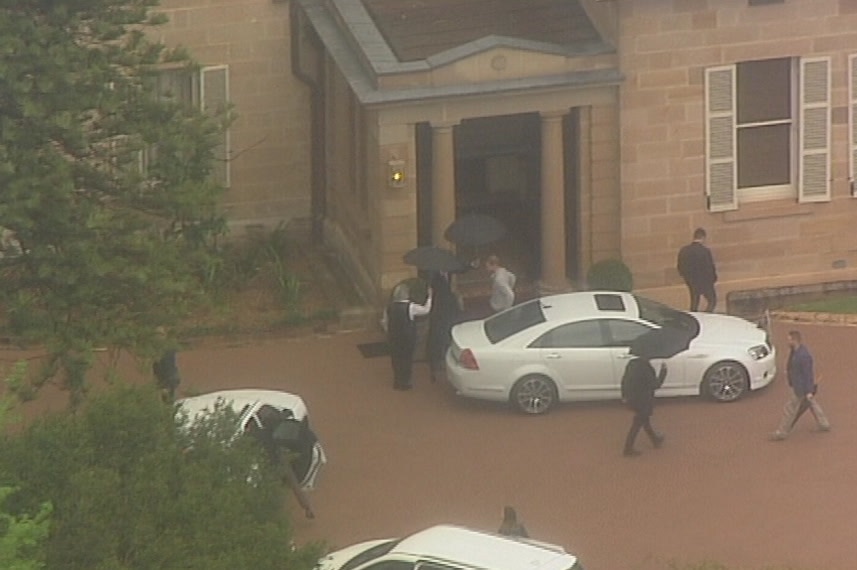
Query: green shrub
x=610, y=275
x=130, y=490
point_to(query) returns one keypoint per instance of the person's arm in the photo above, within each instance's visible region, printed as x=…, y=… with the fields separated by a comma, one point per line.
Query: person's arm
x=421, y=310
x=662, y=375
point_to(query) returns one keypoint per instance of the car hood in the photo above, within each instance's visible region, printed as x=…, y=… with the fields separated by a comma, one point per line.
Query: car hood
x=338, y=558
x=726, y=329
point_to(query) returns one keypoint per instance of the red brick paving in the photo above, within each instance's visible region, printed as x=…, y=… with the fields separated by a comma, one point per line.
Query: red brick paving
x=717, y=491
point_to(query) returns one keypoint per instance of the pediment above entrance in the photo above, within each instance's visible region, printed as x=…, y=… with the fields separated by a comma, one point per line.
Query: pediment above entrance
x=497, y=59
x=402, y=50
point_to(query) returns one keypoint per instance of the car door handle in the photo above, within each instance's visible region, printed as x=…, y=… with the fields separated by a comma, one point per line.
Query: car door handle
x=626, y=356
x=553, y=356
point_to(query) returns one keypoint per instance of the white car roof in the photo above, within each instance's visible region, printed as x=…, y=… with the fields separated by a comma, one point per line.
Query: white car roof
x=476, y=549
x=238, y=399
x=582, y=304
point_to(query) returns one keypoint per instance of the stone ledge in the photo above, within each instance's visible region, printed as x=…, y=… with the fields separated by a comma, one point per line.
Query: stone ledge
x=842, y=319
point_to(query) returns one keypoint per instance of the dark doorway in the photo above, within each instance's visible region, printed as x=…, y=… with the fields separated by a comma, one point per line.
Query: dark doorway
x=497, y=172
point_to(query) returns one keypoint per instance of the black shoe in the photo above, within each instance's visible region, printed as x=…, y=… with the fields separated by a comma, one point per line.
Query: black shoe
x=658, y=441
x=631, y=453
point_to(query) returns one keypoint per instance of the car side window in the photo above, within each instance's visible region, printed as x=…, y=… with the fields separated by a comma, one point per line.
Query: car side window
x=623, y=333
x=582, y=334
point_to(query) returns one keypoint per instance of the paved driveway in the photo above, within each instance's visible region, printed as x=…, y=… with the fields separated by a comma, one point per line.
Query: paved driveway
x=718, y=490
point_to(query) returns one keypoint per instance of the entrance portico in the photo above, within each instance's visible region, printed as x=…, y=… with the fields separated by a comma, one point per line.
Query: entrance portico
x=564, y=181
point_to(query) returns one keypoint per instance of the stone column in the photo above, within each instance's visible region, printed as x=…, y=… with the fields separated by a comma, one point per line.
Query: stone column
x=442, y=181
x=553, y=276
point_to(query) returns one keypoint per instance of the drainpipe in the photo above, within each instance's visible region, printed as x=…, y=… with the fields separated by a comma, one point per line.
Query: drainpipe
x=318, y=201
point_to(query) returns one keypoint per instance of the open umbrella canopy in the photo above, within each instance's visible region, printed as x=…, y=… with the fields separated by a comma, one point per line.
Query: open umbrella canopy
x=664, y=342
x=431, y=258
x=475, y=229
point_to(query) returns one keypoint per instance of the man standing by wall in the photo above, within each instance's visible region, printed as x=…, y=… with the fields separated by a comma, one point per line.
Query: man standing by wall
x=696, y=266
x=801, y=377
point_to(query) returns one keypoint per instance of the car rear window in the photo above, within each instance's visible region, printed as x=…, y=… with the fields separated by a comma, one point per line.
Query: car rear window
x=518, y=318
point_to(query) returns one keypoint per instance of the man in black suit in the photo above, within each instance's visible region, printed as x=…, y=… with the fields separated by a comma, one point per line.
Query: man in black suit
x=696, y=266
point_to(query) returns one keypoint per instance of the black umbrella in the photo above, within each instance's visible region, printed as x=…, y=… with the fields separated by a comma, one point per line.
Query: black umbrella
x=664, y=342
x=431, y=258
x=475, y=229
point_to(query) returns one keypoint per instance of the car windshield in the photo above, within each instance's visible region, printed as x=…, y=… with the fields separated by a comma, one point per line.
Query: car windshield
x=514, y=320
x=370, y=554
x=665, y=316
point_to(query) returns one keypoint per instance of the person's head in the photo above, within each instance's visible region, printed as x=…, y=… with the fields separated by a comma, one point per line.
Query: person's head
x=699, y=234
x=795, y=339
x=401, y=292
x=492, y=262
x=509, y=515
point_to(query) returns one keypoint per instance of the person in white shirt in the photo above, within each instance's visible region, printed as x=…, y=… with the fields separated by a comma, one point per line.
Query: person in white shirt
x=402, y=333
x=502, y=285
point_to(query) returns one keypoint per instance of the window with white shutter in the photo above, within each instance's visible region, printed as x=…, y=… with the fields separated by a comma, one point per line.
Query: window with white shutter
x=214, y=97
x=852, y=122
x=721, y=168
x=814, y=128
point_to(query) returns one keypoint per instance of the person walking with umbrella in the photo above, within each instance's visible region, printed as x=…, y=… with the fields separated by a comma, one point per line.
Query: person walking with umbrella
x=444, y=314
x=638, y=391
x=402, y=333
x=640, y=381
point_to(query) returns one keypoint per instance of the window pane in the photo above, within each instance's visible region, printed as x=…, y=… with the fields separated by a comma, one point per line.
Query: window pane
x=623, y=333
x=584, y=334
x=764, y=156
x=764, y=90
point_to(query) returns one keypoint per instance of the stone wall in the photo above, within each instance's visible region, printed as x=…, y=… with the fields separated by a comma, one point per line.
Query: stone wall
x=270, y=138
x=665, y=46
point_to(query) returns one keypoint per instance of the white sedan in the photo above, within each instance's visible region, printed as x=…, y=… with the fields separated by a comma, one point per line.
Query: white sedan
x=448, y=547
x=575, y=346
x=256, y=407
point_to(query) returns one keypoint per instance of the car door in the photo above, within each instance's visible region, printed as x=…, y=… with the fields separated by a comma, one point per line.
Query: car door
x=579, y=358
x=622, y=332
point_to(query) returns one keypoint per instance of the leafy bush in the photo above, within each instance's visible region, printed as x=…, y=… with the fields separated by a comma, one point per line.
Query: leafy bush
x=130, y=490
x=610, y=275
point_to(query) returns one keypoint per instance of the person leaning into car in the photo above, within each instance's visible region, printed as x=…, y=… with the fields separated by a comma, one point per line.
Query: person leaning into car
x=638, y=391
x=402, y=333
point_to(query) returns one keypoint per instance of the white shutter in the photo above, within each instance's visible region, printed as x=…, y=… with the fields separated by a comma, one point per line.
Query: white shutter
x=814, y=129
x=214, y=97
x=852, y=122
x=721, y=181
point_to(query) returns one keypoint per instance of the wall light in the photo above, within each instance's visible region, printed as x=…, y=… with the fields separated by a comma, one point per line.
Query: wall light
x=396, y=174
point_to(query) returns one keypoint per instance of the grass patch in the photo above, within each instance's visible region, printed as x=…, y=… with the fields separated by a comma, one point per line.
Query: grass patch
x=840, y=305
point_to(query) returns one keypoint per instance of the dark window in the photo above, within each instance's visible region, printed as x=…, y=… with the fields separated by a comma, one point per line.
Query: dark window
x=623, y=333
x=609, y=302
x=764, y=119
x=513, y=321
x=582, y=334
x=665, y=316
x=391, y=565
x=370, y=554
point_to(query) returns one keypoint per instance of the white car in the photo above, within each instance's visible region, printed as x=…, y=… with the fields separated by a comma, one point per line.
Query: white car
x=252, y=407
x=575, y=346
x=447, y=547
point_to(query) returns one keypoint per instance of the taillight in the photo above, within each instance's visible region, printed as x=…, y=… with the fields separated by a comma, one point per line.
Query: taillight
x=468, y=360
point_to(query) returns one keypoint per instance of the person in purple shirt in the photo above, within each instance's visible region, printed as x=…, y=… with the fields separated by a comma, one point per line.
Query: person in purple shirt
x=801, y=377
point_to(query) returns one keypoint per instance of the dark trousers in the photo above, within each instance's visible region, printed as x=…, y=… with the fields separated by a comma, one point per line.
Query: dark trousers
x=707, y=291
x=402, y=357
x=641, y=420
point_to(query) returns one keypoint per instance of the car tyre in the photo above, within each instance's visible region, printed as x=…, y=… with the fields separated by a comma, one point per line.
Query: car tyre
x=534, y=394
x=726, y=381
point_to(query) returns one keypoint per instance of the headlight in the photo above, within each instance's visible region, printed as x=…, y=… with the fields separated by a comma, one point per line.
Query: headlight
x=759, y=352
